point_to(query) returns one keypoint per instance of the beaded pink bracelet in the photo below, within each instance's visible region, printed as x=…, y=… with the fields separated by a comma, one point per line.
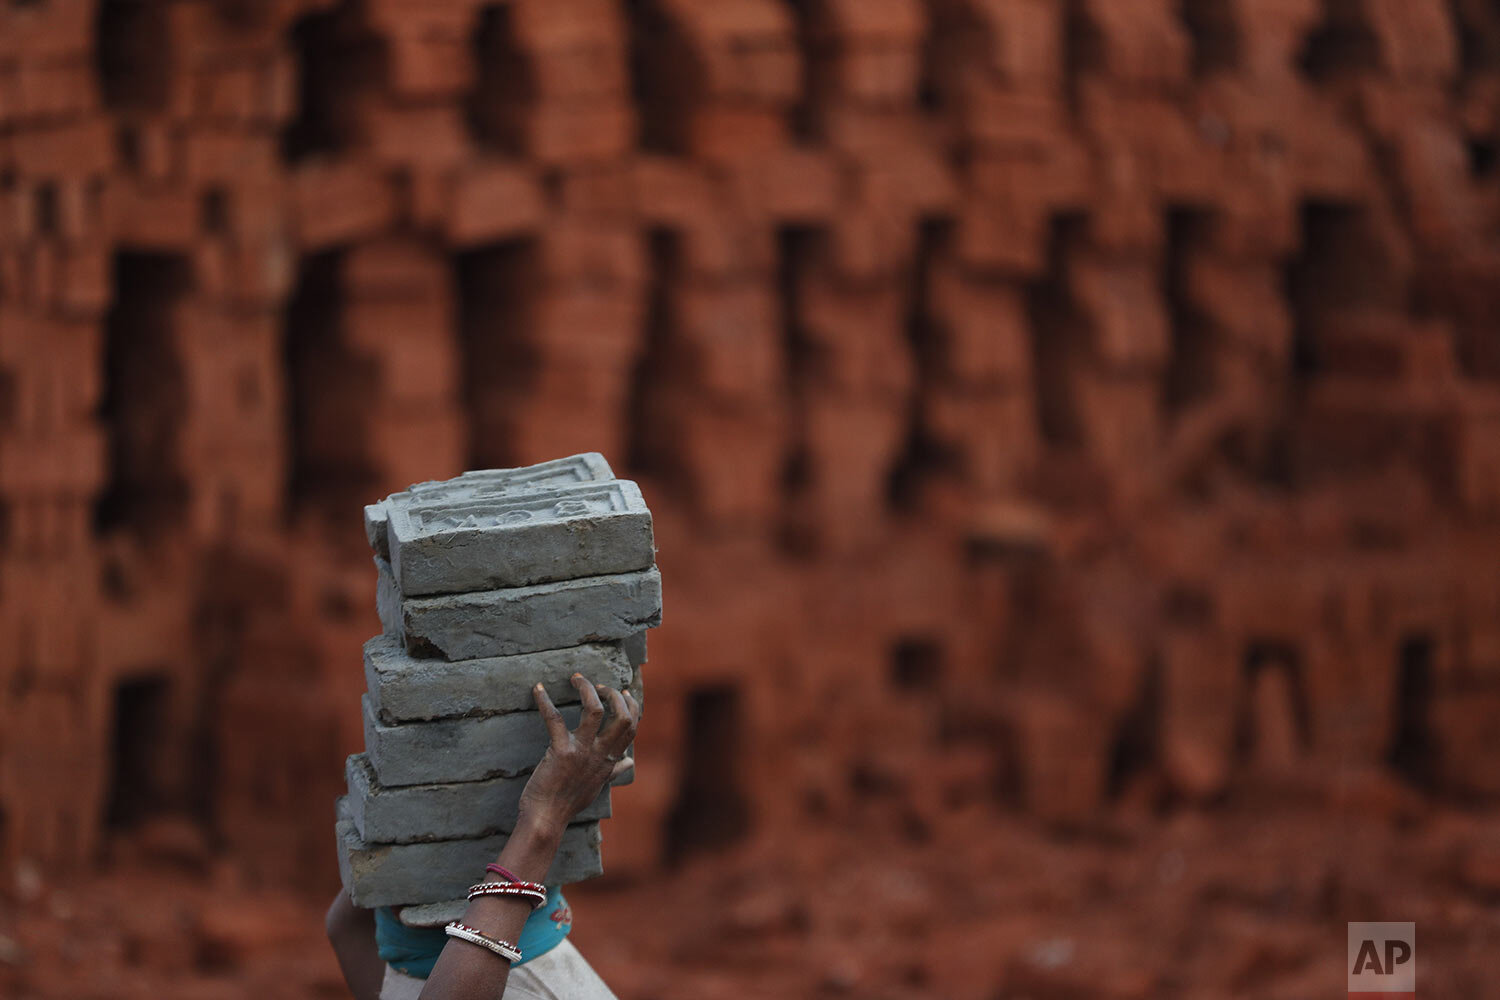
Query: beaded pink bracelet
x=501, y=872
x=527, y=890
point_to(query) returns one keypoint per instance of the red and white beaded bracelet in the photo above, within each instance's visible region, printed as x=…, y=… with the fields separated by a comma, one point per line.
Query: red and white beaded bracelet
x=534, y=891
x=463, y=932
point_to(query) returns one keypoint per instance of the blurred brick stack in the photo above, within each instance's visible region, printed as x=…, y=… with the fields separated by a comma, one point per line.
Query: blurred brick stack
x=1095, y=401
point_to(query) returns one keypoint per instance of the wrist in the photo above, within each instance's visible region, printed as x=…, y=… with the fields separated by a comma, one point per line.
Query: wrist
x=531, y=847
x=537, y=828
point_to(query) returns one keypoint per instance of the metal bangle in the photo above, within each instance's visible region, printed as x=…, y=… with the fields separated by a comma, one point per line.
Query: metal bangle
x=504, y=949
x=526, y=890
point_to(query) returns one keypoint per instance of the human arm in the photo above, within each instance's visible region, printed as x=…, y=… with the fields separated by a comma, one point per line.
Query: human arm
x=570, y=775
x=351, y=931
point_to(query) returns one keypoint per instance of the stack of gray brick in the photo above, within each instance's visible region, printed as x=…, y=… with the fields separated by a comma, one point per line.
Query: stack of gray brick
x=488, y=584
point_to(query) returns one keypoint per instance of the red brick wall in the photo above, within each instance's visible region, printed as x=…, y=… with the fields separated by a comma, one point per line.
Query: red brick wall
x=1038, y=400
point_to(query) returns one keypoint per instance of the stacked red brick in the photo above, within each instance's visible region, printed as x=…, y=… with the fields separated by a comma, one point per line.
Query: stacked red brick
x=53, y=288
x=1118, y=361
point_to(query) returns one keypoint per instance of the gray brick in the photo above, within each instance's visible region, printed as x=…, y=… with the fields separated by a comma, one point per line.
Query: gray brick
x=628, y=778
x=479, y=485
x=406, y=874
x=450, y=811
x=521, y=619
x=404, y=688
x=485, y=543
x=638, y=690
x=635, y=648
x=387, y=599
x=482, y=483
x=433, y=914
x=377, y=528
x=472, y=749
x=587, y=467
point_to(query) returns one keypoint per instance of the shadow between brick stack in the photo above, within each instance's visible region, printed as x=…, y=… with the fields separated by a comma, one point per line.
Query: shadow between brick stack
x=488, y=584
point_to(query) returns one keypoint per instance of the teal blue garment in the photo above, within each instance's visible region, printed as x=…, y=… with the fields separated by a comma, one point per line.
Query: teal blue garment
x=409, y=950
x=547, y=927
x=413, y=951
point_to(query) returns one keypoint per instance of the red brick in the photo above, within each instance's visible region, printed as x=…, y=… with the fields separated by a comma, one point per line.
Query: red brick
x=1144, y=43
x=790, y=185
x=431, y=136
x=732, y=458
x=549, y=427
x=1243, y=300
x=1479, y=458
x=582, y=252
x=599, y=71
x=994, y=433
x=1122, y=303
x=1062, y=749
x=224, y=155
x=338, y=203
x=599, y=190
x=868, y=243
x=440, y=19
x=578, y=132
x=858, y=333
x=733, y=334
x=162, y=220
x=1418, y=41
x=888, y=74
x=56, y=89
x=1001, y=235
x=727, y=246
x=853, y=443
x=672, y=192
x=423, y=66
x=1121, y=419
x=729, y=133
x=733, y=21
x=550, y=25
x=1027, y=39
x=64, y=463
x=394, y=268
x=984, y=328
x=417, y=441
x=493, y=201
x=229, y=94
x=53, y=29
x=872, y=134
x=153, y=153
x=83, y=278
x=253, y=273
x=1058, y=176
x=919, y=181
x=83, y=148
x=608, y=321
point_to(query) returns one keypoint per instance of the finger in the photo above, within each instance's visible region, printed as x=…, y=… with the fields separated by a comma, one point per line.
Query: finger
x=593, y=711
x=557, y=727
x=621, y=722
x=623, y=765
x=635, y=708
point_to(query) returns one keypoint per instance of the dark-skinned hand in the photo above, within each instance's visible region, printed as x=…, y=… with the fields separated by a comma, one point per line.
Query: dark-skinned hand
x=577, y=764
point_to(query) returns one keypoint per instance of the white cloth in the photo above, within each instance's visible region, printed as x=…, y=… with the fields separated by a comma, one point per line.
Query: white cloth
x=561, y=974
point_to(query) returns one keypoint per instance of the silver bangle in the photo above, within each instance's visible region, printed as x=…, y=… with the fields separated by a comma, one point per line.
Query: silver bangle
x=504, y=949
